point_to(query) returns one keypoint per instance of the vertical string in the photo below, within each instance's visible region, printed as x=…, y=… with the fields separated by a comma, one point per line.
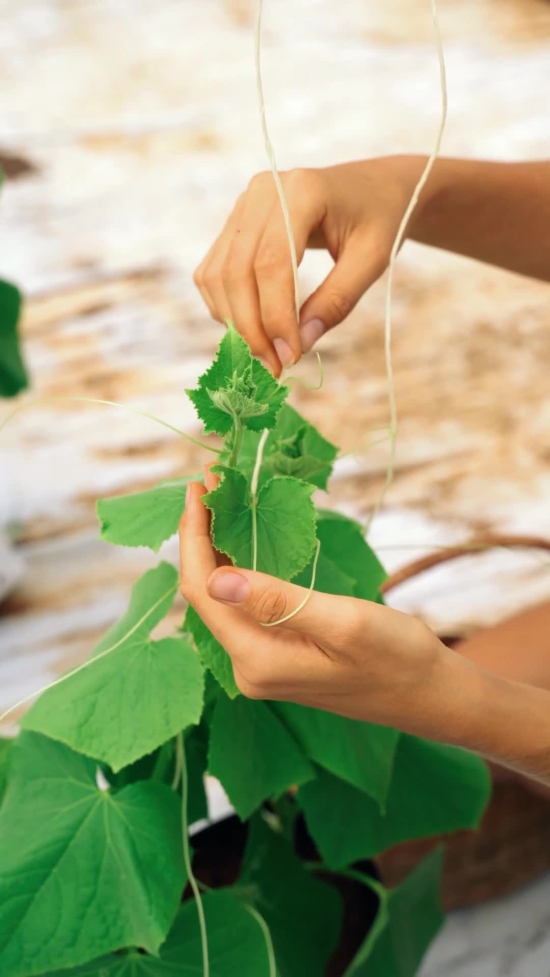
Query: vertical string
x=182, y=765
x=393, y=257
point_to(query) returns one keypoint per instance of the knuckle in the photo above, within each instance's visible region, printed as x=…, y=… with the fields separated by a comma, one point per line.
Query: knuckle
x=250, y=690
x=234, y=270
x=186, y=587
x=268, y=260
x=341, y=304
x=198, y=276
x=270, y=605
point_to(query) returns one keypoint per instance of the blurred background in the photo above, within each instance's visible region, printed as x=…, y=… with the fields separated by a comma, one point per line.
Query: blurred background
x=127, y=130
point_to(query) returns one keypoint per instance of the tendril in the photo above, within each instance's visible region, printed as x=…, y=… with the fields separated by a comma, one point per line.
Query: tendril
x=287, y=617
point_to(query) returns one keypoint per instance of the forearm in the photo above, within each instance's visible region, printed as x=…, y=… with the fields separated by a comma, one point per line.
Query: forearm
x=498, y=213
x=502, y=720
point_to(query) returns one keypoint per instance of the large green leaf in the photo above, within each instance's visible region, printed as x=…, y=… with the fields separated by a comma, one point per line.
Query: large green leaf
x=359, y=753
x=303, y=913
x=84, y=871
x=13, y=376
x=5, y=757
x=129, y=702
x=144, y=518
x=285, y=518
x=409, y=918
x=252, y=753
x=213, y=655
x=343, y=543
x=434, y=790
x=294, y=448
x=237, y=385
x=236, y=946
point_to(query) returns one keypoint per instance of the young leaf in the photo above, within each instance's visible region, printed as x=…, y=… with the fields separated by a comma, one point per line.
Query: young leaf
x=294, y=448
x=5, y=757
x=142, y=693
x=252, y=754
x=285, y=518
x=13, y=376
x=144, y=518
x=211, y=652
x=359, y=753
x=84, y=871
x=303, y=913
x=434, y=790
x=410, y=917
x=237, y=386
x=236, y=946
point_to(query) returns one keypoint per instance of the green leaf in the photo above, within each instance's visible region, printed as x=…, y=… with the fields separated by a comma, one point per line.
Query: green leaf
x=13, y=376
x=303, y=913
x=236, y=946
x=410, y=917
x=252, y=754
x=144, y=518
x=142, y=693
x=434, y=790
x=343, y=543
x=84, y=871
x=294, y=448
x=237, y=385
x=359, y=753
x=285, y=523
x=5, y=758
x=212, y=654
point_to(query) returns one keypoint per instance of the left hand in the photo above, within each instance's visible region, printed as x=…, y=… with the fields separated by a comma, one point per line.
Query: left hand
x=347, y=656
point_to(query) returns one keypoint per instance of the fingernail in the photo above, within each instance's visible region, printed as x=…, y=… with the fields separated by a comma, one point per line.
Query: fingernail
x=311, y=332
x=229, y=586
x=284, y=352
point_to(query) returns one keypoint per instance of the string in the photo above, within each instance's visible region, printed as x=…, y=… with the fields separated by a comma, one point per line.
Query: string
x=302, y=604
x=182, y=763
x=393, y=257
x=272, y=160
x=254, y=496
x=108, y=403
x=91, y=661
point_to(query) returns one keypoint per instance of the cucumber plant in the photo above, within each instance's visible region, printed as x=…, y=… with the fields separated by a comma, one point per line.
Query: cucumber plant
x=107, y=773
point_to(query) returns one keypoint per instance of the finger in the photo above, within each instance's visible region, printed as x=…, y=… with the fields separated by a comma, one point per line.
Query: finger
x=208, y=276
x=358, y=266
x=269, y=600
x=211, y=479
x=197, y=557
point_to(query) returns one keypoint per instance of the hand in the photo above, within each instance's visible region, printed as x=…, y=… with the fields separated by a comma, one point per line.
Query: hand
x=347, y=656
x=353, y=210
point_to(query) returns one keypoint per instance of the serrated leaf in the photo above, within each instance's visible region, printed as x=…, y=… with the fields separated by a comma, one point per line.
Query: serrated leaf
x=13, y=376
x=252, y=754
x=434, y=790
x=144, y=518
x=236, y=946
x=5, y=757
x=293, y=448
x=360, y=753
x=128, y=703
x=285, y=523
x=234, y=368
x=212, y=654
x=409, y=919
x=303, y=913
x=84, y=871
x=343, y=543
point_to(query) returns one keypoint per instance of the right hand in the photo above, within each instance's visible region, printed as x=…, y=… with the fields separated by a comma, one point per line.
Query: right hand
x=353, y=210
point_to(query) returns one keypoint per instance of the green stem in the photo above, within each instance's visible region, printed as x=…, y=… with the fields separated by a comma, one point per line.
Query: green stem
x=182, y=764
x=254, y=496
x=238, y=434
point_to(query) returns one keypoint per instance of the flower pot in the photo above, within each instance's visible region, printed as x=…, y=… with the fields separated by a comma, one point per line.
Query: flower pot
x=512, y=845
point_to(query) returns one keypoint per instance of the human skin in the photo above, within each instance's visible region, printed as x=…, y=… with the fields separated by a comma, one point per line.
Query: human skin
x=353, y=657
x=357, y=658
x=498, y=213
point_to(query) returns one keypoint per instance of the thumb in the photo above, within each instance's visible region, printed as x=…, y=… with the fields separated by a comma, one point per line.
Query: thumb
x=358, y=266
x=269, y=600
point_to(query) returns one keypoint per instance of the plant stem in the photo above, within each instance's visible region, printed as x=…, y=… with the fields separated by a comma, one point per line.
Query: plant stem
x=238, y=433
x=254, y=496
x=182, y=764
x=267, y=936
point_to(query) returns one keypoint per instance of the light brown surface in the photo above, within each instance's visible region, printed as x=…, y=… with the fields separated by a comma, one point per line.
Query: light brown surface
x=134, y=127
